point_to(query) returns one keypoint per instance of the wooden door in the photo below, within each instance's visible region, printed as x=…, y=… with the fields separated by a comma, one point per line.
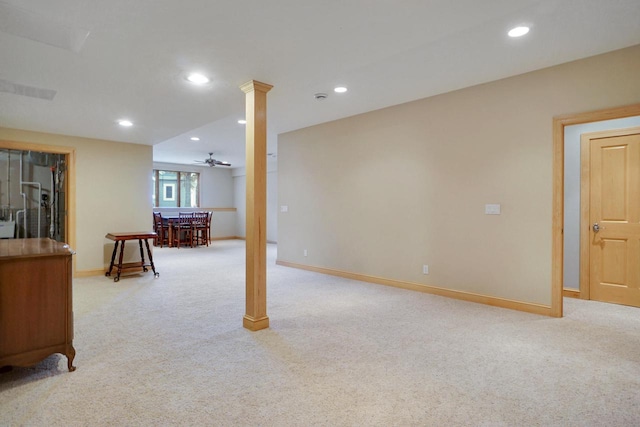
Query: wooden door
x=614, y=216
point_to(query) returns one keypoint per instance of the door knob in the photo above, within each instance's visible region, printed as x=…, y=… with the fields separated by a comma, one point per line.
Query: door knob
x=596, y=227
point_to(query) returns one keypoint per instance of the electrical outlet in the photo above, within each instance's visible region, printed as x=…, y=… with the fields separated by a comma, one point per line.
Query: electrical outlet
x=425, y=269
x=305, y=252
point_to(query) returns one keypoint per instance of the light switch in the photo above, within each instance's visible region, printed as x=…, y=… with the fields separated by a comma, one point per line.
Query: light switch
x=284, y=208
x=492, y=209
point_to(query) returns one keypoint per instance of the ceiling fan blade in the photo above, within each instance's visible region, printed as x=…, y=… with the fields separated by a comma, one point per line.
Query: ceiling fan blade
x=218, y=162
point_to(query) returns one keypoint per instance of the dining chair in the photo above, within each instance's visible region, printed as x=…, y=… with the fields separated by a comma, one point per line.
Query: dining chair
x=162, y=229
x=199, y=228
x=182, y=226
x=209, y=217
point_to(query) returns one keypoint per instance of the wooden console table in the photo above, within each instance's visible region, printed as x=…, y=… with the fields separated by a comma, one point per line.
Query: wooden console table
x=121, y=238
x=36, y=314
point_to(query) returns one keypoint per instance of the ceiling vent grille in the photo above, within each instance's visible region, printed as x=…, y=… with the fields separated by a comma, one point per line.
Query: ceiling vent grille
x=24, y=90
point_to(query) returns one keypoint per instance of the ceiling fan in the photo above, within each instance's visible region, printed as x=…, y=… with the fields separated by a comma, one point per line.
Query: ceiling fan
x=211, y=162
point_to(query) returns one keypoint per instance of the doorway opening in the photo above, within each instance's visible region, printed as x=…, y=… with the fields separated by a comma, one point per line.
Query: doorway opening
x=32, y=195
x=45, y=175
x=559, y=171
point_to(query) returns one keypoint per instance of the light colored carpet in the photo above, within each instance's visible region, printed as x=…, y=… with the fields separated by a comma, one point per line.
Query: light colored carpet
x=172, y=351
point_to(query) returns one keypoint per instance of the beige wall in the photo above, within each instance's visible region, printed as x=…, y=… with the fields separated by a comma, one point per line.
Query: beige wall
x=240, y=202
x=113, y=191
x=385, y=192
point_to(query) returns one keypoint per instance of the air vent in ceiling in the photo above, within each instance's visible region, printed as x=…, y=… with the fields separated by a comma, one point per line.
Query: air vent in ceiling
x=24, y=90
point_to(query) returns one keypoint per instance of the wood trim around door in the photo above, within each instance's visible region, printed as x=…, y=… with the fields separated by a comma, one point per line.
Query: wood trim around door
x=70, y=179
x=585, y=185
x=557, y=226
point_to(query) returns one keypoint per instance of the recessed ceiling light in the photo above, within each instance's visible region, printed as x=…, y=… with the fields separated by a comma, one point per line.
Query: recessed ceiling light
x=194, y=138
x=242, y=121
x=518, y=31
x=198, y=78
x=125, y=123
x=340, y=89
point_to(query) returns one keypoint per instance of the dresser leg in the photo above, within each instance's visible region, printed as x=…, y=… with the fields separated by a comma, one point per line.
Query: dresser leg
x=71, y=354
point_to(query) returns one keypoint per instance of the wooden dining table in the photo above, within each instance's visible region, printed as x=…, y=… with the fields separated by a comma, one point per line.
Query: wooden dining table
x=169, y=220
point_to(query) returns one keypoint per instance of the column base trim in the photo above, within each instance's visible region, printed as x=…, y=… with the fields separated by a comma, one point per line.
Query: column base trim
x=255, y=324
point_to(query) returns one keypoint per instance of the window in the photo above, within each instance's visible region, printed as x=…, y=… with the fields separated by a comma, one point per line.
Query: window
x=169, y=189
x=175, y=189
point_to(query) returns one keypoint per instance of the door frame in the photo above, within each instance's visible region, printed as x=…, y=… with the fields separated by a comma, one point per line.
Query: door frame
x=70, y=181
x=557, y=227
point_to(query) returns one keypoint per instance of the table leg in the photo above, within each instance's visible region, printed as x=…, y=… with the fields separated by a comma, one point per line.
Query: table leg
x=117, y=278
x=151, y=259
x=113, y=257
x=145, y=269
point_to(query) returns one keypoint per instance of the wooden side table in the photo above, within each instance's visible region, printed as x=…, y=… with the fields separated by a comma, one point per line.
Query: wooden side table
x=121, y=238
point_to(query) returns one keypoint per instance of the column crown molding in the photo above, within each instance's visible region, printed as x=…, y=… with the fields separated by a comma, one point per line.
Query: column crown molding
x=254, y=85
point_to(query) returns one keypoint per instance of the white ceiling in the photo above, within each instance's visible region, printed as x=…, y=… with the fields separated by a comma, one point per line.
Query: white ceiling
x=133, y=62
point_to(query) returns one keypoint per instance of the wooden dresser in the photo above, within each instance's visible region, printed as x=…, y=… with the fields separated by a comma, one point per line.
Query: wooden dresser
x=36, y=314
